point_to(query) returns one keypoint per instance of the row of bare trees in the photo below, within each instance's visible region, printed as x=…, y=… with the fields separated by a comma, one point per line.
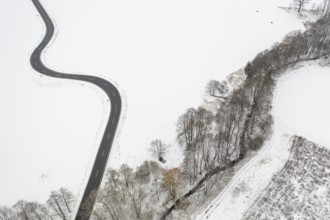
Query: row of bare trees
x=211, y=139
x=58, y=207
x=297, y=46
x=137, y=194
x=321, y=9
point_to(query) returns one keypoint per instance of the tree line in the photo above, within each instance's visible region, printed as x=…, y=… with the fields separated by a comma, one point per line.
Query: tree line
x=59, y=206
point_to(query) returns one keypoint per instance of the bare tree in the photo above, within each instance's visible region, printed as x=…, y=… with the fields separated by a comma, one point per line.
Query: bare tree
x=6, y=213
x=38, y=211
x=111, y=202
x=143, y=173
x=98, y=214
x=325, y=8
x=158, y=149
x=193, y=127
x=123, y=195
x=61, y=203
x=217, y=89
x=127, y=173
x=156, y=172
x=67, y=198
x=26, y=211
x=137, y=195
x=171, y=181
x=300, y=4
x=46, y=212
x=22, y=210
x=55, y=204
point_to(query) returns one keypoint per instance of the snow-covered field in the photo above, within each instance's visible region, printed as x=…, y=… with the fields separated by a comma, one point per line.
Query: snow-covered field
x=161, y=53
x=303, y=103
x=49, y=128
x=301, y=106
x=301, y=190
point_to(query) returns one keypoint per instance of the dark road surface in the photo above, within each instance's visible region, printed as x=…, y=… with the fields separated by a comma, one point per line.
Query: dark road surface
x=110, y=131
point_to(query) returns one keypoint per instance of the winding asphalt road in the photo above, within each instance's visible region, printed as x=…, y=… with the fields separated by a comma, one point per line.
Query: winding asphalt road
x=115, y=102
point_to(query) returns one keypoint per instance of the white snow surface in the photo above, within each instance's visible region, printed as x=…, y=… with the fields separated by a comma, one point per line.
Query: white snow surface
x=304, y=103
x=301, y=107
x=161, y=53
x=49, y=128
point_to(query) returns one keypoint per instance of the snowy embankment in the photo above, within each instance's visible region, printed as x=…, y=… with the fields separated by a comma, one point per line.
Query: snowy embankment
x=161, y=53
x=301, y=107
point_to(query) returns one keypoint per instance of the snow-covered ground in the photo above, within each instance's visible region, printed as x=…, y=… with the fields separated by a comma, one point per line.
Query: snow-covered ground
x=301, y=190
x=161, y=53
x=303, y=103
x=301, y=106
x=49, y=128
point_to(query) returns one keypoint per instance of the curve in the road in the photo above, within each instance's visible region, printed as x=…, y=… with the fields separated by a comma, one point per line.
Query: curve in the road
x=113, y=94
